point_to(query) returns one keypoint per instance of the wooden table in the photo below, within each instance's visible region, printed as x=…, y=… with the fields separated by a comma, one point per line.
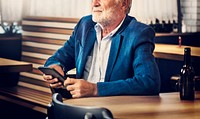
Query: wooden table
x=174, y=52
x=164, y=106
x=8, y=65
x=9, y=71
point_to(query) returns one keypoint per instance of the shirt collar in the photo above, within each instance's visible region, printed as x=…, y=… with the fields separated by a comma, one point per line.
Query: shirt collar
x=98, y=28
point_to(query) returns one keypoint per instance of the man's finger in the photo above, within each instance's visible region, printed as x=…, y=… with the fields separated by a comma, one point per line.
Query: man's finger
x=55, y=80
x=69, y=81
x=47, y=77
x=70, y=88
x=55, y=85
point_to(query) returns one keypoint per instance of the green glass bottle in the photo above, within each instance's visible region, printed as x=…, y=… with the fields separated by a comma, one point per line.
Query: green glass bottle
x=187, y=82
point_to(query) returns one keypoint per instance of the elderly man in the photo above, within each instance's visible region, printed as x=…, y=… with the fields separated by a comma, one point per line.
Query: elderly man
x=112, y=54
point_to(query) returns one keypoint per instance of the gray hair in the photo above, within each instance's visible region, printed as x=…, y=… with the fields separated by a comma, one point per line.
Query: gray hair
x=129, y=6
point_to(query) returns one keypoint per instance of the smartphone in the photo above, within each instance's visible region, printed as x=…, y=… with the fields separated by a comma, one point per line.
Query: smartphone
x=53, y=73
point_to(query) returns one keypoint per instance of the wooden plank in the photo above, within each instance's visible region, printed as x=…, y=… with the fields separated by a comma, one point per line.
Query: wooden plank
x=54, y=24
x=45, y=88
x=33, y=59
x=48, y=30
x=46, y=35
x=36, y=71
x=44, y=40
x=168, y=56
x=35, y=55
x=33, y=81
x=25, y=104
x=31, y=95
x=27, y=94
x=8, y=65
x=32, y=76
x=174, y=52
x=41, y=45
x=38, y=50
x=54, y=19
x=175, y=49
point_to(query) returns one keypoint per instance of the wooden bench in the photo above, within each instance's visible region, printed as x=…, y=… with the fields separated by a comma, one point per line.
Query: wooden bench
x=41, y=37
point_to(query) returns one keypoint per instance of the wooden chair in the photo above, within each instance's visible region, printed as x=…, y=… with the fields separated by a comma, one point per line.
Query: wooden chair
x=59, y=110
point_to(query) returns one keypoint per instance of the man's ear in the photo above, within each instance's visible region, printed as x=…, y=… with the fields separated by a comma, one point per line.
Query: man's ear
x=125, y=2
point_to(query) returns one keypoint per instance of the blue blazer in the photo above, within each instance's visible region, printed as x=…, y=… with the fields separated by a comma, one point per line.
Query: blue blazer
x=131, y=68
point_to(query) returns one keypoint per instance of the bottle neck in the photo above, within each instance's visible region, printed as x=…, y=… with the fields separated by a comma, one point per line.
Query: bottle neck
x=187, y=56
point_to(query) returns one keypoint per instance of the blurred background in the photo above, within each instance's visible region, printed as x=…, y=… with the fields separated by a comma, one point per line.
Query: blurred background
x=154, y=12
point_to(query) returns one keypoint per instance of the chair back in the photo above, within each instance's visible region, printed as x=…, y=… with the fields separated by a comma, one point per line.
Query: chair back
x=60, y=110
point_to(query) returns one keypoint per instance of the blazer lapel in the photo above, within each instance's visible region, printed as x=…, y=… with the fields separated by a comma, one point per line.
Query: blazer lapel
x=115, y=47
x=114, y=51
x=87, y=47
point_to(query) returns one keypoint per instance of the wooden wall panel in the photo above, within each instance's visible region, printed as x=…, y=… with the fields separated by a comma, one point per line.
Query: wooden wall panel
x=41, y=37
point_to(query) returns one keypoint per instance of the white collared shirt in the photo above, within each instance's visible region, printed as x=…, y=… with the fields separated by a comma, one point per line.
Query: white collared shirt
x=96, y=65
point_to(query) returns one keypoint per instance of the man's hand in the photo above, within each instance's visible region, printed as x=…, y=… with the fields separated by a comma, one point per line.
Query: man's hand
x=80, y=87
x=53, y=82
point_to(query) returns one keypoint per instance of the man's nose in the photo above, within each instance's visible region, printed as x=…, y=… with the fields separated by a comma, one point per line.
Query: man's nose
x=95, y=2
